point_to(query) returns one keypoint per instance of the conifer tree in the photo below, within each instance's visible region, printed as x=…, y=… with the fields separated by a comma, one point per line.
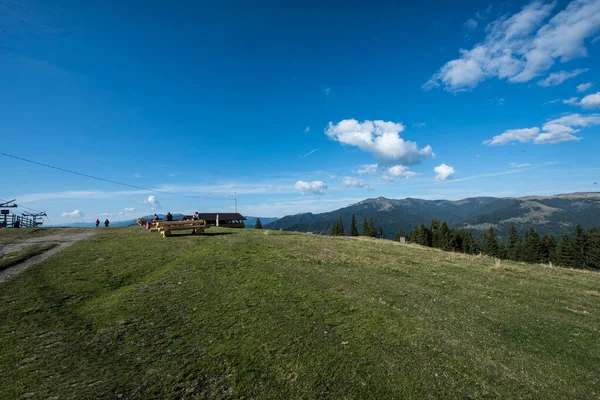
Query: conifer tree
x=593, y=249
x=334, y=229
x=513, y=244
x=564, y=251
x=380, y=232
x=434, y=229
x=580, y=247
x=365, y=227
x=353, y=230
x=340, y=230
x=532, y=247
x=549, y=249
x=258, y=224
x=372, y=231
x=490, y=243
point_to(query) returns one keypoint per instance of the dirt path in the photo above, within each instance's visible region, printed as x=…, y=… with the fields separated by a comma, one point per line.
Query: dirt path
x=63, y=239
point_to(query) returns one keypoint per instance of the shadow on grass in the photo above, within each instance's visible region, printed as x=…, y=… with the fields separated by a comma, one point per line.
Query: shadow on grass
x=173, y=235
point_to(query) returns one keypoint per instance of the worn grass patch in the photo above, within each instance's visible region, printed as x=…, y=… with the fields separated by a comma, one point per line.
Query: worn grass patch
x=17, y=257
x=244, y=314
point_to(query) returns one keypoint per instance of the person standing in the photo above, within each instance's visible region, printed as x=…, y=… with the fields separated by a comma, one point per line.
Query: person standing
x=97, y=222
x=169, y=216
x=106, y=222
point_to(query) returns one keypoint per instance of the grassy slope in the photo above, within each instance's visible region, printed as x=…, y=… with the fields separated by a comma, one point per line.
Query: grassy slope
x=284, y=315
x=16, y=257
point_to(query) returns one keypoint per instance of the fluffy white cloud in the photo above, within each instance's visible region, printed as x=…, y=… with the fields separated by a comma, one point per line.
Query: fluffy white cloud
x=471, y=24
x=572, y=100
x=355, y=182
x=558, y=130
x=314, y=187
x=556, y=78
x=128, y=209
x=591, y=101
x=522, y=47
x=443, y=172
x=72, y=214
x=153, y=202
x=400, y=171
x=584, y=87
x=563, y=129
x=380, y=138
x=367, y=169
x=514, y=135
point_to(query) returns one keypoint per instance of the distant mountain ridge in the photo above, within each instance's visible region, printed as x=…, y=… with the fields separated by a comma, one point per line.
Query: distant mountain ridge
x=548, y=214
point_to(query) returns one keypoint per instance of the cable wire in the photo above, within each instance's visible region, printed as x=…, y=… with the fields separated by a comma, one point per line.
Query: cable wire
x=97, y=178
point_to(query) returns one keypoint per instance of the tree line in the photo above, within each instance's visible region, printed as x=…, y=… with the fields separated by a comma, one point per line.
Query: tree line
x=577, y=250
x=368, y=228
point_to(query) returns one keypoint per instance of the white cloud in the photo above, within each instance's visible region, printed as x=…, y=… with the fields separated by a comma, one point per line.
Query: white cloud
x=571, y=100
x=355, y=182
x=418, y=124
x=380, y=138
x=563, y=129
x=515, y=165
x=400, y=171
x=307, y=129
x=327, y=91
x=584, y=87
x=591, y=101
x=552, y=101
x=367, y=169
x=522, y=47
x=153, y=202
x=443, y=172
x=314, y=187
x=556, y=78
x=310, y=152
x=72, y=214
x=129, y=209
x=558, y=130
x=513, y=135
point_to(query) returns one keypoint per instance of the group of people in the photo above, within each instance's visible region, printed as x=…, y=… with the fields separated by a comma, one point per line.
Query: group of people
x=106, y=222
x=168, y=217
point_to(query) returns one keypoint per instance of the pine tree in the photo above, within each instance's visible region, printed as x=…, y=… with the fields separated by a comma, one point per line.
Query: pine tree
x=513, y=245
x=532, y=247
x=353, y=230
x=365, y=228
x=334, y=229
x=434, y=228
x=446, y=235
x=490, y=243
x=580, y=247
x=372, y=231
x=341, y=231
x=565, y=254
x=258, y=224
x=593, y=249
x=380, y=232
x=549, y=249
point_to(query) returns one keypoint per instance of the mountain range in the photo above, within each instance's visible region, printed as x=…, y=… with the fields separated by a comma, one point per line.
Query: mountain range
x=547, y=214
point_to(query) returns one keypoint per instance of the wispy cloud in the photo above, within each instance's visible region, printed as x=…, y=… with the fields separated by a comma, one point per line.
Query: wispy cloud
x=523, y=46
x=515, y=165
x=418, y=124
x=327, y=91
x=72, y=214
x=310, y=152
x=307, y=129
x=556, y=78
x=584, y=87
x=357, y=183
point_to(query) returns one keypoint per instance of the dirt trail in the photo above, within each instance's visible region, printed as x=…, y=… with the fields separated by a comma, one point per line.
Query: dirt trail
x=63, y=239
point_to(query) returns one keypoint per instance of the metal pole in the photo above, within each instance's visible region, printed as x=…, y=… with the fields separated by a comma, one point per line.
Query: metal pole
x=235, y=202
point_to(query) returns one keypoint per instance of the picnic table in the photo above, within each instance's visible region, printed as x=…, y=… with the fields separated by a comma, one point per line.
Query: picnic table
x=165, y=228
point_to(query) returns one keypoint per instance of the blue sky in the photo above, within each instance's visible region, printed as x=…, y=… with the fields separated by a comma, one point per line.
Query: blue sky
x=297, y=106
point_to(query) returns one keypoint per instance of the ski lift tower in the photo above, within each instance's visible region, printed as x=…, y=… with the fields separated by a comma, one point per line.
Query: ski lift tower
x=4, y=213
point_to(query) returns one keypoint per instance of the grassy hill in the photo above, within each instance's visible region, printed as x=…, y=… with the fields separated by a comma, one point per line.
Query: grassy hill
x=548, y=214
x=278, y=315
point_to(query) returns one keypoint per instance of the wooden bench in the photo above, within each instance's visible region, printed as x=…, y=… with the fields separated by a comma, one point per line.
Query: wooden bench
x=166, y=227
